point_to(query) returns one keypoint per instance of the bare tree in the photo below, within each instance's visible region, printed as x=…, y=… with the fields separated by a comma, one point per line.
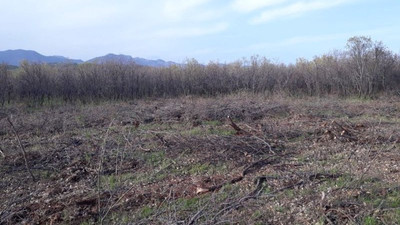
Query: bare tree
x=5, y=84
x=366, y=68
x=359, y=49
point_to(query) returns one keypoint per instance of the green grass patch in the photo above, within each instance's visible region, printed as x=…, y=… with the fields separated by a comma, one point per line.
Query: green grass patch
x=369, y=220
x=388, y=207
x=154, y=126
x=289, y=193
x=213, y=123
x=206, y=168
x=197, y=169
x=391, y=216
x=342, y=181
x=145, y=212
x=155, y=158
x=196, y=131
x=89, y=222
x=221, y=131
x=201, y=131
x=257, y=214
x=188, y=203
x=376, y=118
x=393, y=200
x=110, y=182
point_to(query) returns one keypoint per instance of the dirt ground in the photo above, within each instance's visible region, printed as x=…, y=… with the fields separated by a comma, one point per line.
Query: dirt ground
x=239, y=159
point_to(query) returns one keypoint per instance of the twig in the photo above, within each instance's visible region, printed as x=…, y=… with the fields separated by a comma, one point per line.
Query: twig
x=236, y=127
x=103, y=148
x=253, y=195
x=2, y=153
x=22, y=148
x=197, y=215
x=258, y=164
x=116, y=202
x=241, y=131
x=266, y=143
x=249, y=169
x=329, y=220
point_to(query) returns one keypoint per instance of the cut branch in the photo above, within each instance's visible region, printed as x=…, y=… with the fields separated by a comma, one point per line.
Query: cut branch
x=2, y=153
x=22, y=148
x=236, y=127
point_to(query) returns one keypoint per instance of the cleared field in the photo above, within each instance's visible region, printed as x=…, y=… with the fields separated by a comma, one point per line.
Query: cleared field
x=183, y=161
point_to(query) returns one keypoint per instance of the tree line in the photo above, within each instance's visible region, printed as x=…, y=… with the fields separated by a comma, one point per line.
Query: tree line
x=366, y=68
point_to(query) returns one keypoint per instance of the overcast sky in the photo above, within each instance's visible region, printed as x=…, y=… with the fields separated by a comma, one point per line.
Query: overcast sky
x=219, y=30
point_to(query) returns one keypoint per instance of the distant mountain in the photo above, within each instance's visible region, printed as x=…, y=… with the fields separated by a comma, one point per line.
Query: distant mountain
x=130, y=59
x=14, y=57
x=112, y=58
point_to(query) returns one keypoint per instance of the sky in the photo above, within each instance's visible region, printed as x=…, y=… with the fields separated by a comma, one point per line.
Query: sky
x=207, y=30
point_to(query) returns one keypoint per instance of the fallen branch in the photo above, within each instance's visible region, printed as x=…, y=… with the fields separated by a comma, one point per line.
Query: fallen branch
x=236, y=127
x=240, y=131
x=2, y=153
x=259, y=187
x=249, y=169
x=258, y=165
x=196, y=216
x=22, y=148
x=252, y=195
x=324, y=176
x=100, y=170
x=115, y=204
x=266, y=143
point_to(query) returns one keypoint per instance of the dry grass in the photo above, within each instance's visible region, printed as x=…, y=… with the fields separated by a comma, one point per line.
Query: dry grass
x=179, y=161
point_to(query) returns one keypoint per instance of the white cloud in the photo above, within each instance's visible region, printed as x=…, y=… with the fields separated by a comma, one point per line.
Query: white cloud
x=186, y=32
x=296, y=9
x=251, y=5
x=299, y=40
x=312, y=39
x=177, y=9
x=85, y=16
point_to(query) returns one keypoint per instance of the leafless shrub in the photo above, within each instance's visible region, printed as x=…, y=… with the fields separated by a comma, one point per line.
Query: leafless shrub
x=366, y=69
